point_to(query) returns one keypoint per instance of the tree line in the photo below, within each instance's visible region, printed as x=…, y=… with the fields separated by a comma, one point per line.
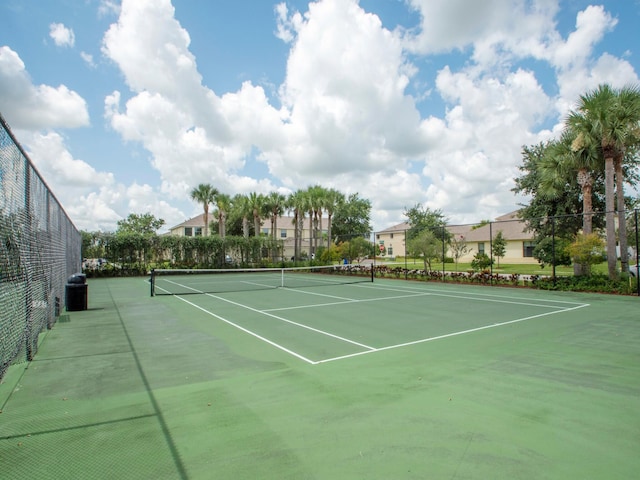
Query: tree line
x=135, y=245
x=240, y=214
x=579, y=178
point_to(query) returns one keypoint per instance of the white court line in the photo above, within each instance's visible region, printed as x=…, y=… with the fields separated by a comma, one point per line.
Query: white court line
x=304, y=292
x=447, y=335
x=429, y=289
x=370, y=349
x=366, y=300
x=322, y=332
x=259, y=337
x=478, y=297
x=301, y=325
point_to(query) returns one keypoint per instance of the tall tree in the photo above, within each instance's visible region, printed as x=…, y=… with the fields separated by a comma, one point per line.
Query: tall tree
x=204, y=194
x=296, y=204
x=352, y=218
x=565, y=159
x=143, y=224
x=601, y=119
x=543, y=205
x=310, y=202
x=499, y=246
x=223, y=206
x=315, y=199
x=629, y=105
x=423, y=218
x=425, y=244
x=333, y=198
x=256, y=201
x=274, y=206
x=240, y=206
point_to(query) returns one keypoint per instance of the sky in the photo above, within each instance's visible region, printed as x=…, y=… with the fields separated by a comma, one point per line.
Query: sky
x=126, y=106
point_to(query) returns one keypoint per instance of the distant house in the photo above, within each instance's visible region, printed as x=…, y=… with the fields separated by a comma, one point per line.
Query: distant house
x=194, y=227
x=519, y=243
x=392, y=240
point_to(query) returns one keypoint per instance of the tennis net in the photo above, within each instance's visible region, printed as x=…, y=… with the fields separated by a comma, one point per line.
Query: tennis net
x=192, y=281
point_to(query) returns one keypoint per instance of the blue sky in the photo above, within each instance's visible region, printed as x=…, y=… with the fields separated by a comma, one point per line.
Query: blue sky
x=125, y=106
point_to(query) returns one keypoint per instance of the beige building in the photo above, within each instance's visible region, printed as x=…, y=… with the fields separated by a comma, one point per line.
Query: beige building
x=285, y=231
x=519, y=246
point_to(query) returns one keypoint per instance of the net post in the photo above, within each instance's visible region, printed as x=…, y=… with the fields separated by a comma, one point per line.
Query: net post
x=372, y=272
x=152, y=279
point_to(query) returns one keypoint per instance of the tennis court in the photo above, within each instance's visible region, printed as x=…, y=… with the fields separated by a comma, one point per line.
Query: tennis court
x=376, y=380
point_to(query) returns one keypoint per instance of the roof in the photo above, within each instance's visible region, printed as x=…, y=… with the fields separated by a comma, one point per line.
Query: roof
x=400, y=227
x=197, y=221
x=512, y=227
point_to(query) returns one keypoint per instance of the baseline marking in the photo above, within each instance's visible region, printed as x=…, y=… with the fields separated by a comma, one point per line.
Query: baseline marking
x=489, y=297
x=447, y=335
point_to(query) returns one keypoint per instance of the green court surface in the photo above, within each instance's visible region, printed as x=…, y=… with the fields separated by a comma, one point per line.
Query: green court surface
x=386, y=380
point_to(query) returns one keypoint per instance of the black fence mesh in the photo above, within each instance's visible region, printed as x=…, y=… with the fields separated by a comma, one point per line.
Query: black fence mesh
x=39, y=248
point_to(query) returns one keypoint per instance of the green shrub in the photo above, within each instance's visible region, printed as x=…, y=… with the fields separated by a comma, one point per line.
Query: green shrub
x=598, y=283
x=481, y=261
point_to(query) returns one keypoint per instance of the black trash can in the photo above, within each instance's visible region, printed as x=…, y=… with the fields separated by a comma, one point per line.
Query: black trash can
x=76, y=292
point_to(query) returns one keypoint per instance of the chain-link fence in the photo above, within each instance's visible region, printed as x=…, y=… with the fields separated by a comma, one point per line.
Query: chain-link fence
x=577, y=244
x=39, y=248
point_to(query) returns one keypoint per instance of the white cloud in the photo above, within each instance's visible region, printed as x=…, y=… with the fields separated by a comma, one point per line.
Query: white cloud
x=348, y=119
x=32, y=107
x=192, y=133
x=108, y=7
x=286, y=25
x=61, y=35
x=345, y=90
x=349, y=114
x=88, y=59
x=591, y=25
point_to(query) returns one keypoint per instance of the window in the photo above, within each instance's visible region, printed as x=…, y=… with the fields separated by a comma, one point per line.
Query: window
x=527, y=249
x=283, y=233
x=391, y=235
x=265, y=231
x=390, y=250
x=197, y=231
x=188, y=232
x=480, y=247
x=378, y=237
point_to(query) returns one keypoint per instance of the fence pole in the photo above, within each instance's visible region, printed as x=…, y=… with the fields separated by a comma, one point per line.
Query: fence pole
x=553, y=250
x=491, y=253
x=637, y=254
x=406, y=273
x=443, y=253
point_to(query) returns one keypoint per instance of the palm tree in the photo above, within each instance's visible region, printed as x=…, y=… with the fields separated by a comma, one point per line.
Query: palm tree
x=295, y=203
x=204, y=194
x=240, y=204
x=256, y=200
x=312, y=195
x=333, y=199
x=560, y=163
x=629, y=107
x=223, y=202
x=274, y=207
x=601, y=120
x=563, y=159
